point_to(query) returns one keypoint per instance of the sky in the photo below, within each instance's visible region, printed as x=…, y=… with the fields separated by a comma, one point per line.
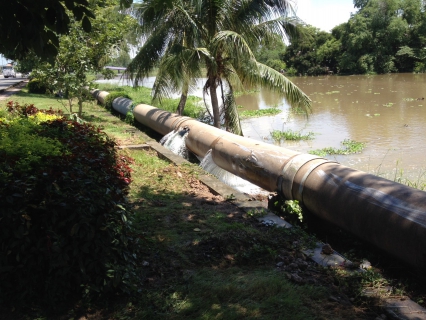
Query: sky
x=324, y=14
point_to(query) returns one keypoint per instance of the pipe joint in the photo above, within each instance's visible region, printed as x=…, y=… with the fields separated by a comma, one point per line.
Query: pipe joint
x=179, y=122
x=295, y=172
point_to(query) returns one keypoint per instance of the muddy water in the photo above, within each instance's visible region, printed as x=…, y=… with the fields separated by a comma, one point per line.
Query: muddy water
x=382, y=111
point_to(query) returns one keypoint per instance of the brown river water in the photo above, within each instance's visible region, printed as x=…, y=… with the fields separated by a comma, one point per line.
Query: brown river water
x=386, y=112
x=383, y=111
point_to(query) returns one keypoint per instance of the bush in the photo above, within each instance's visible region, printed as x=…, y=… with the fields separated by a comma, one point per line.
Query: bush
x=65, y=229
x=112, y=96
x=36, y=86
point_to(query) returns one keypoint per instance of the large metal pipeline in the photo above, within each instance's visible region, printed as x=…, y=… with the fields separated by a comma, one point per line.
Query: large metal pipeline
x=389, y=215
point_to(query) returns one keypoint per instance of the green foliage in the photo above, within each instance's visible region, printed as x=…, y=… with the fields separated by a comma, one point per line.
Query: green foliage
x=65, y=228
x=27, y=63
x=257, y=213
x=37, y=86
x=82, y=53
x=194, y=41
x=383, y=36
x=192, y=109
x=130, y=118
x=270, y=54
x=349, y=147
x=139, y=95
x=313, y=53
x=112, y=96
x=259, y=113
x=278, y=135
x=288, y=208
x=293, y=207
x=43, y=27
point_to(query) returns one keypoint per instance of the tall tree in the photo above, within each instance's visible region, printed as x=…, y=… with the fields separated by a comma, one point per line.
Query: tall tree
x=185, y=36
x=29, y=25
x=313, y=53
x=81, y=53
x=383, y=36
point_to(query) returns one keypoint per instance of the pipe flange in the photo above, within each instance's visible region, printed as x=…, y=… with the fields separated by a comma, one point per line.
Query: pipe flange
x=290, y=170
x=179, y=121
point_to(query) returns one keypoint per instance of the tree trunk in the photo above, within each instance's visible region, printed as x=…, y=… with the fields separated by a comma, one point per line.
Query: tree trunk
x=80, y=108
x=182, y=103
x=215, y=103
x=183, y=98
x=70, y=105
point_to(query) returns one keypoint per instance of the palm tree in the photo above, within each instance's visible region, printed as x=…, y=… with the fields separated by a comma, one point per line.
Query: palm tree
x=188, y=36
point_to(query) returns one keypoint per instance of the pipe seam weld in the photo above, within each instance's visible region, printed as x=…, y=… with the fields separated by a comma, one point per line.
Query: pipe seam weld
x=290, y=170
x=312, y=167
x=178, y=122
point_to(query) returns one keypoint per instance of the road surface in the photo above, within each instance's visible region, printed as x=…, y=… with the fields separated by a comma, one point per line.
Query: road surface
x=6, y=83
x=6, y=88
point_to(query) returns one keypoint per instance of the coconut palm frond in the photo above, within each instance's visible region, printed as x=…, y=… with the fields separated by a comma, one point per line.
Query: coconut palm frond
x=151, y=14
x=148, y=56
x=283, y=26
x=275, y=81
x=187, y=19
x=163, y=87
x=186, y=37
x=233, y=78
x=178, y=71
x=232, y=119
x=233, y=44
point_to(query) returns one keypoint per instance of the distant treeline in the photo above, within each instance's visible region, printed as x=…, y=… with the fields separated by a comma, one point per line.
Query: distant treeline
x=382, y=36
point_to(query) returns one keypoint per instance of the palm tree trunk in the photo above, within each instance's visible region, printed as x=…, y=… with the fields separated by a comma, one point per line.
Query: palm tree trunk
x=215, y=102
x=181, y=105
x=183, y=98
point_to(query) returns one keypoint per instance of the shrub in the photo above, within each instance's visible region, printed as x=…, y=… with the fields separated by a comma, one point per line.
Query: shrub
x=36, y=86
x=65, y=228
x=112, y=96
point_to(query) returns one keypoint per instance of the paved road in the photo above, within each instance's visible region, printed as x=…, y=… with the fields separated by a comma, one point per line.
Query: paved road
x=6, y=83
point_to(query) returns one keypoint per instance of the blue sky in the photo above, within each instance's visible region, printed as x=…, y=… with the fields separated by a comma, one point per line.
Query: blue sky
x=324, y=14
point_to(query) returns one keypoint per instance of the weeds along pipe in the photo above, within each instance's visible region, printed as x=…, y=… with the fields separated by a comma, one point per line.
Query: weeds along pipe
x=100, y=95
x=390, y=215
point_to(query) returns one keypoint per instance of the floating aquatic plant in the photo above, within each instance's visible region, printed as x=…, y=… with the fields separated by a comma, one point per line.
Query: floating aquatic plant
x=278, y=135
x=349, y=147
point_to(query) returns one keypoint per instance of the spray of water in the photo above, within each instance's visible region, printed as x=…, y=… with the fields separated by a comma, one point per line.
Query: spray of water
x=228, y=178
x=175, y=142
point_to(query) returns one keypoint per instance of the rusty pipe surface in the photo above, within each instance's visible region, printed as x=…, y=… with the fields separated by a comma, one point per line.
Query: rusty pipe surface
x=390, y=215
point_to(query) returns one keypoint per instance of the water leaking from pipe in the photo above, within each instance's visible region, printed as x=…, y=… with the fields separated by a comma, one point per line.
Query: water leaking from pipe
x=389, y=215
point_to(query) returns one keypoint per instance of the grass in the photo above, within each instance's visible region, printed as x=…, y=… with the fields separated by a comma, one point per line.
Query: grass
x=208, y=259
x=400, y=177
x=349, y=147
x=259, y=113
x=142, y=95
x=278, y=135
x=203, y=258
x=41, y=101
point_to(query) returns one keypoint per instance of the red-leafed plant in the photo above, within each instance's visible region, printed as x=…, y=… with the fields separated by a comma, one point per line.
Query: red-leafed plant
x=65, y=227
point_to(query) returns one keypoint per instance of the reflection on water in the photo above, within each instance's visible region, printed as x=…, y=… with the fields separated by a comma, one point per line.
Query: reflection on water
x=387, y=112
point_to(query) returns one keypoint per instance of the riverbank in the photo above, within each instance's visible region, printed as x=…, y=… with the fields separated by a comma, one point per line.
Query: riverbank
x=206, y=258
